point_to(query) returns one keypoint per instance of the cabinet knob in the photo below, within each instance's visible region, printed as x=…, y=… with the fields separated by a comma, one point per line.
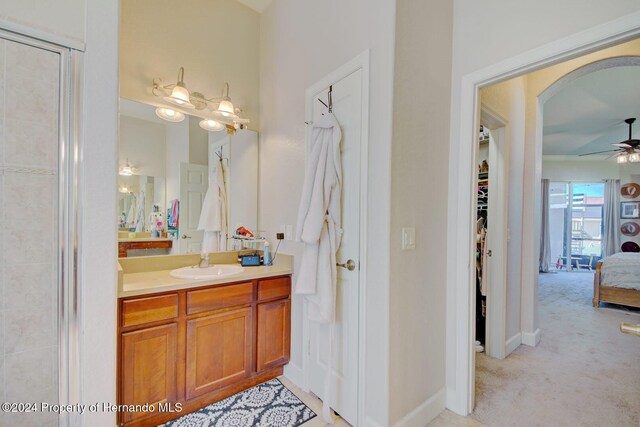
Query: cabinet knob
x=184, y=236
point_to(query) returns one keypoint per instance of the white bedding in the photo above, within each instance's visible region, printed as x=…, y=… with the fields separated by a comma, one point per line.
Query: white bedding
x=621, y=270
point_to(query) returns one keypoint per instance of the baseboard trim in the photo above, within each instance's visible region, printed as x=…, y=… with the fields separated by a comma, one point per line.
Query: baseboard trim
x=295, y=374
x=531, y=338
x=513, y=343
x=425, y=412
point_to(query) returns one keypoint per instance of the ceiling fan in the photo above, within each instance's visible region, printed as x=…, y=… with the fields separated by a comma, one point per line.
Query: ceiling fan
x=627, y=151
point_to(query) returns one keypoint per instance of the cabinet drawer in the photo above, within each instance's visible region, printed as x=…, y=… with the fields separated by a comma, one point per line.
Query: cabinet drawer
x=220, y=297
x=150, y=309
x=274, y=288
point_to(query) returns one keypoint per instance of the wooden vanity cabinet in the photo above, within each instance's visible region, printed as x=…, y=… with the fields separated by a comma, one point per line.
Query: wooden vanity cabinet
x=198, y=346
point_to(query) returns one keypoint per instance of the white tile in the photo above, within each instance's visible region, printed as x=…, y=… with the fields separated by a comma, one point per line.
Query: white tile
x=30, y=144
x=1, y=336
x=30, y=197
x=29, y=285
x=3, y=394
x=29, y=242
x=29, y=375
x=31, y=84
x=28, y=329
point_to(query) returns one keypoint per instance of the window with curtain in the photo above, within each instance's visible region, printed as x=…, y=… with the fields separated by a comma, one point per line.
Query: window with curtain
x=576, y=211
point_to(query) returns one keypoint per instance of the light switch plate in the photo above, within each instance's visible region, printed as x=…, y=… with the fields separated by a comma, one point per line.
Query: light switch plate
x=288, y=234
x=408, y=238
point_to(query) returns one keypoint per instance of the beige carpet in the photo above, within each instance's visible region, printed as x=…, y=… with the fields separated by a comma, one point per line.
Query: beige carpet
x=584, y=372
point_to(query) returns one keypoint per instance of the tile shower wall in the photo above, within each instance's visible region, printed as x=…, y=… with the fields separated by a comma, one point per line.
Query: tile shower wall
x=29, y=104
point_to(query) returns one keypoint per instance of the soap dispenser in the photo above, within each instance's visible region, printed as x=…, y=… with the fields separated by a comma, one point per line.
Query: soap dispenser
x=267, y=254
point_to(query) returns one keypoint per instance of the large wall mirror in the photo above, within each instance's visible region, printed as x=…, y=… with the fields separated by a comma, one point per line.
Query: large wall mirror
x=165, y=172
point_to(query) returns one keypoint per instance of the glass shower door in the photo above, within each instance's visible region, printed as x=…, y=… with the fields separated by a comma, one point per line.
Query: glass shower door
x=30, y=280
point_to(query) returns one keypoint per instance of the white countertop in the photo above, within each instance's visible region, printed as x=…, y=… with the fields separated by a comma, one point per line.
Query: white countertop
x=151, y=282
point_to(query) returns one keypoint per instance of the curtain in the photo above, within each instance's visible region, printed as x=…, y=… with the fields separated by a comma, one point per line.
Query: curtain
x=545, y=237
x=611, y=238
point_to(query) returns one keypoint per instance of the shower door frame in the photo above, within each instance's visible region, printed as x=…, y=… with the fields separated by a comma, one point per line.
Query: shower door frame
x=69, y=209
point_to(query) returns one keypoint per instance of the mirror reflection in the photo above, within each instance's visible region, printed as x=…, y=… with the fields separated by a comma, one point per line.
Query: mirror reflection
x=171, y=179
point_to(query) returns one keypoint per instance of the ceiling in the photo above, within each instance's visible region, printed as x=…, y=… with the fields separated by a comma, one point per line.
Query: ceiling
x=588, y=114
x=257, y=5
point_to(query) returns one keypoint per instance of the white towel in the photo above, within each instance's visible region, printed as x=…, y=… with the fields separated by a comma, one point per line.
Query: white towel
x=213, y=217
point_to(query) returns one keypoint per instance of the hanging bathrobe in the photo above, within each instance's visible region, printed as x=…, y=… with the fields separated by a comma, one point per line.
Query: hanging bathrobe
x=130, y=221
x=319, y=229
x=213, y=217
x=140, y=215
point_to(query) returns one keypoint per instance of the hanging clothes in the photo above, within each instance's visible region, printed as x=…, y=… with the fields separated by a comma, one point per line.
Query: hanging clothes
x=140, y=215
x=319, y=228
x=213, y=217
x=130, y=221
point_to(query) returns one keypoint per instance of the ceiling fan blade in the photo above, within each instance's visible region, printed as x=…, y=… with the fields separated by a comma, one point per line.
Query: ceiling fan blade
x=600, y=152
x=621, y=144
x=613, y=155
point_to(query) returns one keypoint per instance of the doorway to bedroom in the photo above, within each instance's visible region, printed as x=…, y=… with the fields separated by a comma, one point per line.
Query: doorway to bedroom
x=552, y=313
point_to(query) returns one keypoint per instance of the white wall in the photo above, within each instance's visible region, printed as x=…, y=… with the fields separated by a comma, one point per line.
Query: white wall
x=216, y=41
x=99, y=291
x=300, y=42
x=61, y=18
x=143, y=144
x=419, y=168
x=479, y=46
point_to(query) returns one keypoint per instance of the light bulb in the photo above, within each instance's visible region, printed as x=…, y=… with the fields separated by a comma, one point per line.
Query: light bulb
x=211, y=125
x=634, y=157
x=622, y=158
x=169, y=114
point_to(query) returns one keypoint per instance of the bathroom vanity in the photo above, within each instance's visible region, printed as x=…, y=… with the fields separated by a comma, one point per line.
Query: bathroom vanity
x=195, y=342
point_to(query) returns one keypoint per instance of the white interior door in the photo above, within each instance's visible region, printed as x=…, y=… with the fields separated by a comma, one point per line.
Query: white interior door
x=497, y=241
x=348, y=109
x=194, y=181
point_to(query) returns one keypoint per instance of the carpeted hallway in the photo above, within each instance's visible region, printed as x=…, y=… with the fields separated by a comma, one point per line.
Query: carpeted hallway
x=584, y=372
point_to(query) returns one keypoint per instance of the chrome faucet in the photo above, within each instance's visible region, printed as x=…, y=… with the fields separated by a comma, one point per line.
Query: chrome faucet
x=204, y=261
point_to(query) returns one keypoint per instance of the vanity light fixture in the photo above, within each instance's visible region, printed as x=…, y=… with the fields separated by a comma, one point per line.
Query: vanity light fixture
x=126, y=170
x=180, y=94
x=169, y=114
x=217, y=113
x=212, y=125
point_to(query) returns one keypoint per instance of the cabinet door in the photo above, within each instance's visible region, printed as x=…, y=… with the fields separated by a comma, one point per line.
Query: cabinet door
x=149, y=358
x=274, y=334
x=218, y=351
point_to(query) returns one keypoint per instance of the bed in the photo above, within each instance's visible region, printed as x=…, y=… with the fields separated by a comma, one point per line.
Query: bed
x=617, y=280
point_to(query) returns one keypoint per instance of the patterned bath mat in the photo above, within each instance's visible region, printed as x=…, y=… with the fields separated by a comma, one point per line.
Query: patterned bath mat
x=270, y=404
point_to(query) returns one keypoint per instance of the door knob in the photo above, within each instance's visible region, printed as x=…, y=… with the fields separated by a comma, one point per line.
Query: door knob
x=184, y=236
x=349, y=265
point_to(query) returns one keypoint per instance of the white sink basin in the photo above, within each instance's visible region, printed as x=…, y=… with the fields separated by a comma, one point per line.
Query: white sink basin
x=214, y=272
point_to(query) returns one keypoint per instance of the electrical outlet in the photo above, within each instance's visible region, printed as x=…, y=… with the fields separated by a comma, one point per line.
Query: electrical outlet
x=408, y=238
x=280, y=236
